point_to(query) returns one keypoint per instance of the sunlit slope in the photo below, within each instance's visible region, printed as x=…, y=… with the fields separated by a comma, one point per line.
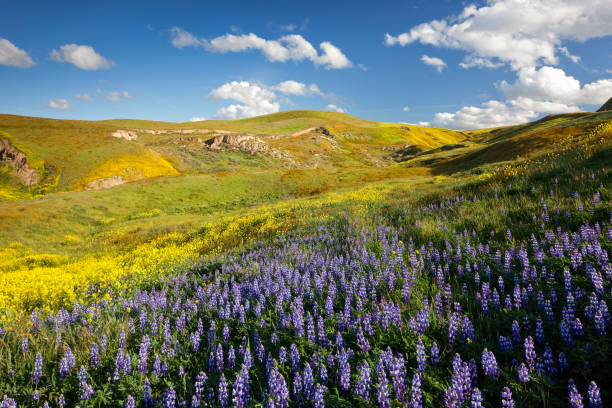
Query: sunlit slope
x=76, y=155
x=510, y=143
x=71, y=153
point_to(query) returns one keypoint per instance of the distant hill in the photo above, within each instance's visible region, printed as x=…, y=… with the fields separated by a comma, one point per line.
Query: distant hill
x=606, y=106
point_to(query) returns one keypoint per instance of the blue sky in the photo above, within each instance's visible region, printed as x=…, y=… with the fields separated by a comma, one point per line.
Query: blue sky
x=443, y=63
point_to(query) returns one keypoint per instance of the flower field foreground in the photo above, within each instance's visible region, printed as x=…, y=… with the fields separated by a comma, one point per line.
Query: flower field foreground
x=495, y=295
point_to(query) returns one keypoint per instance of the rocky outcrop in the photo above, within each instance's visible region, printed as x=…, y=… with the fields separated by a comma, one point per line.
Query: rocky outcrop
x=125, y=134
x=17, y=159
x=246, y=143
x=606, y=106
x=324, y=131
x=103, y=183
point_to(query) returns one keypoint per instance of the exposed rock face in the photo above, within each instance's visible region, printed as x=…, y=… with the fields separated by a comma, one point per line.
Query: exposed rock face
x=246, y=143
x=606, y=106
x=125, y=134
x=102, y=183
x=16, y=158
x=324, y=130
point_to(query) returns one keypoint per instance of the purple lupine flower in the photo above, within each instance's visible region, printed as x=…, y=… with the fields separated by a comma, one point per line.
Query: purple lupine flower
x=489, y=364
x=416, y=394
x=241, y=388
x=345, y=371
x=129, y=402
x=94, y=355
x=38, y=366
x=143, y=353
x=8, y=403
x=600, y=322
x=434, y=353
x=24, y=344
x=195, y=341
x=61, y=401
x=362, y=389
x=363, y=343
x=575, y=399
x=146, y=394
x=530, y=354
x=308, y=381
x=523, y=373
x=231, y=357
x=223, y=396
x=506, y=396
x=382, y=385
x=516, y=333
x=397, y=370
x=539, y=331
x=594, y=396
x=67, y=363
x=319, y=393
x=421, y=356
x=277, y=388
x=219, y=357
x=169, y=398
x=476, y=400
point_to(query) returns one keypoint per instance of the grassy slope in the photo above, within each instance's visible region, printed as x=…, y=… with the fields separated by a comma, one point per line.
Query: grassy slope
x=215, y=184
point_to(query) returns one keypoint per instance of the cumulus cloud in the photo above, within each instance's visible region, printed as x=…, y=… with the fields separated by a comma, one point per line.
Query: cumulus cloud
x=406, y=109
x=297, y=88
x=332, y=107
x=496, y=113
x=13, y=56
x=515, y=32
x=424, y=123
x=58, y=103
x=116, y=96
x=535, y=92
x=437, y=63
x=291, y=47
x=553, y=84
x=197, y=119
x=84, y=97
x=81, y=56
x=257, y=99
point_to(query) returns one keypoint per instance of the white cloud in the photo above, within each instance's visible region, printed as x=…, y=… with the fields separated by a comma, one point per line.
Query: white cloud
x=81, y=56
x=58, y=103
x=406, y=109
x=362, y=67
x=291, y=47
x=297, y=88
x=553, y=84
x=471, y=61
x=116, y=96
x=255, y=100
x=495, y=113
x=197, y=119
x=13, y=56
x=434, y=62
x=575, y=59
x=332, y=107
x=84, y=97
x=424, y=123
x=182, y=38
x=516, y=32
